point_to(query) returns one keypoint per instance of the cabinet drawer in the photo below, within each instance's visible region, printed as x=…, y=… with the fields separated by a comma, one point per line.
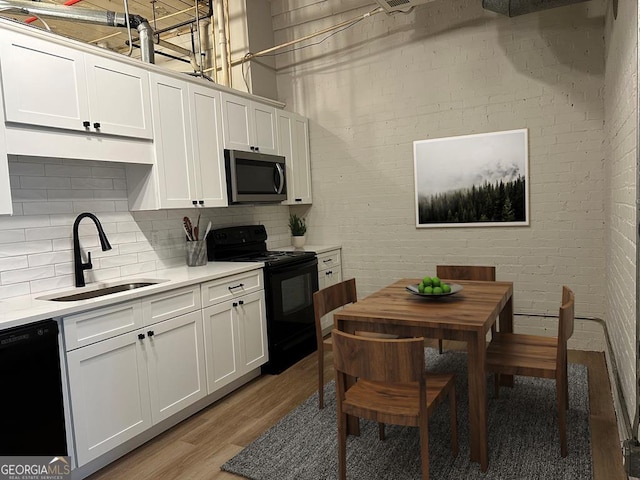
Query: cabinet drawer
x=170, y=304
x=227, y=288
x=328, y=260
x=90, y=327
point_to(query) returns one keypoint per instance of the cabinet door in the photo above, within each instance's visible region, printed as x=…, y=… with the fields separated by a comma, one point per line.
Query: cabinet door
x=207, y=146
x=265, y=131
x=248, y=125
x=172, y=141
x=43, y=83
x=252, y=330
x=236, y=124
x=221, y=345
x=293, y=143
x=109, y=390
x=119, y=98
x=174, y=350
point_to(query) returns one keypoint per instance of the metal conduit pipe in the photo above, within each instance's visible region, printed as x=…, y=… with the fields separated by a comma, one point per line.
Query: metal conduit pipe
x=87, y=15
x=614, y=365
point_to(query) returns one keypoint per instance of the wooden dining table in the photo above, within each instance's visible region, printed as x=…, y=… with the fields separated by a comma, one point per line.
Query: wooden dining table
x=465, y=316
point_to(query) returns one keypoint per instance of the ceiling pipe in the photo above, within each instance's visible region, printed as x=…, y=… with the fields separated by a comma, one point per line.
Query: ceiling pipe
x=86, y=15
x=184, y=51
x=222, y=40
x=513, y=8
x=67, y=3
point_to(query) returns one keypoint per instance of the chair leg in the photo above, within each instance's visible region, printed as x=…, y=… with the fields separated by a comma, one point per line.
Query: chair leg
x=381, y=430
x=439, y=346
x=566, y=388
x=496, y=380
x=562, y=415
x=342, y=446
x=424, y=446
x=453, y=412
x=320, y=378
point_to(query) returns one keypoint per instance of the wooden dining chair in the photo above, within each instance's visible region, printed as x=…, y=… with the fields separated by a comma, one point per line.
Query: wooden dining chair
x=391, y=386
x=466, y=272
x=325, y=301
x=538, y=356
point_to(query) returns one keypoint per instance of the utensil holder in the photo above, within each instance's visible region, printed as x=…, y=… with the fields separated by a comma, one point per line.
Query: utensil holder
x=196, y=253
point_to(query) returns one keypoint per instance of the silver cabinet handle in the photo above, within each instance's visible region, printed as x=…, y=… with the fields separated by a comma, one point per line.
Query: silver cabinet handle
x=281, y=175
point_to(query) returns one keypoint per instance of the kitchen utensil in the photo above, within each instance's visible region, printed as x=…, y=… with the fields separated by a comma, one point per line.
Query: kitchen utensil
x=186, y=231
x=207, y=231
x=188, y=227
x=196, y=229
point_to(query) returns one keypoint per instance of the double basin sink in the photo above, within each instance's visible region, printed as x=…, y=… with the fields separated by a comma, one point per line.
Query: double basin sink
x=99, y=290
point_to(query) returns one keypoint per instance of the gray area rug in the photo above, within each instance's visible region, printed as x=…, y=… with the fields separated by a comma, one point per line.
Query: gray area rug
x=523, y=437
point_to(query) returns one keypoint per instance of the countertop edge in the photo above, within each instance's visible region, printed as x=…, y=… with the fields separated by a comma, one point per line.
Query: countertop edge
x=30, y=308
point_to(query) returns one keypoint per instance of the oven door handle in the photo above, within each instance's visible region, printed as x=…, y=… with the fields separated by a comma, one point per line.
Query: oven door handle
x=295, y=267
x=280, y=185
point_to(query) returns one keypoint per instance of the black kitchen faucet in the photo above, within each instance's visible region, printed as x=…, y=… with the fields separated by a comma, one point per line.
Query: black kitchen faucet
x=79, y=266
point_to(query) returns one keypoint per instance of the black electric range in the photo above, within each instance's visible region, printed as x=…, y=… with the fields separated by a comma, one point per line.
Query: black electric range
x=248, y=243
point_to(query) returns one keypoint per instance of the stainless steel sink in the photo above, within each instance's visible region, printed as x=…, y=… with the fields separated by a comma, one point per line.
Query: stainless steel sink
x=101, y=290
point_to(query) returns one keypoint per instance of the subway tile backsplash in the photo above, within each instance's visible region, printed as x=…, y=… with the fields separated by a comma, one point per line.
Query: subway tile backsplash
x=36, y=247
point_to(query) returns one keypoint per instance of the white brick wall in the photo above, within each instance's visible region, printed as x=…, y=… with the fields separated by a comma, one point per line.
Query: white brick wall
x=36, y=249
x=621, y=131
x=451, y=68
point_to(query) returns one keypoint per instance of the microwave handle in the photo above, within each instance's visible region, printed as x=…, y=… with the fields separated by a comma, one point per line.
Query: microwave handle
x=281, y=175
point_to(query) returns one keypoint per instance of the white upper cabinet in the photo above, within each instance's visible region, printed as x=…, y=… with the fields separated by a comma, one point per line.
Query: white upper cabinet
x=187, y=140
x=249, y=125
x=206, y=135
x=50, y=85
x=293, y=132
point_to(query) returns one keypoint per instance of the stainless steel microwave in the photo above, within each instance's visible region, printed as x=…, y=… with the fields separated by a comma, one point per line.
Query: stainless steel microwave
x=254, y=177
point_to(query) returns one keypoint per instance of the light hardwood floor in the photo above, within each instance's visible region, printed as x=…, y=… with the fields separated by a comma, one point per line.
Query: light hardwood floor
x=197, y=447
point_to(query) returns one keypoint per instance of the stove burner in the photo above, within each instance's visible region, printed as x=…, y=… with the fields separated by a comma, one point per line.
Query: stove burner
x=249, y=244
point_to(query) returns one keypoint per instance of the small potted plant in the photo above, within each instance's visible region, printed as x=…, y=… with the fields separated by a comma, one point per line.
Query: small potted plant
x=298, y=229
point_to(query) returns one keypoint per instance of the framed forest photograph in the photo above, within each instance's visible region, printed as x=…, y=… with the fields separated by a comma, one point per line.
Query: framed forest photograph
x=472, y=180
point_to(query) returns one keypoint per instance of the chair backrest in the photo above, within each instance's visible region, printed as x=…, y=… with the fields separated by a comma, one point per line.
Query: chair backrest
x=330, y=298
x=565, y=324
x=385, y=360
x=466, y=272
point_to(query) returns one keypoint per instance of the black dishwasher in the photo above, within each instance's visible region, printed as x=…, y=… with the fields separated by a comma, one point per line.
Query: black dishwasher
x=31, y=399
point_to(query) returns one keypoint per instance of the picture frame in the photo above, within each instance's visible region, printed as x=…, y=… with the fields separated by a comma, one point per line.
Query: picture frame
x=479, y=180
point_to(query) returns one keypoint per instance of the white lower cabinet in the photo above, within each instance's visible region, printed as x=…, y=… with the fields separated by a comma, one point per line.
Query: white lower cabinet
x=329, y=273
x=109, y=389
x=235, y=338
x=174, y=352
x=134, y=364
x=124, y=385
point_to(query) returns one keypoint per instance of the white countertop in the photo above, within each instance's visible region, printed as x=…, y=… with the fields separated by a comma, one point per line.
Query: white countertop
x=31, y=308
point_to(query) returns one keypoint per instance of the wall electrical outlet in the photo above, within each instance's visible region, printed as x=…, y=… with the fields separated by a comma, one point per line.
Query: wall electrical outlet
x=155, y=238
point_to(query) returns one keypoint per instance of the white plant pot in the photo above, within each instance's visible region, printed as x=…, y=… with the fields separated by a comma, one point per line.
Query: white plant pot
x=298, y=242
